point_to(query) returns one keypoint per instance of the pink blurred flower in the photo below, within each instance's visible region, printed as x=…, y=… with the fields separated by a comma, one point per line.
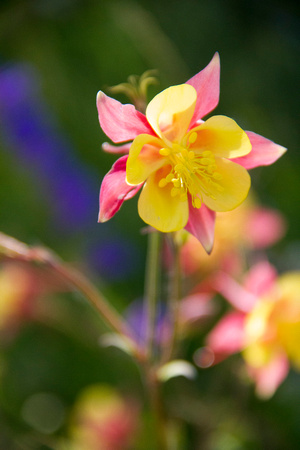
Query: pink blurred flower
x=188, y=168
x=18, y=292
x=265, y=325
x=21, y=285
x=103, y=420
x=195, y=307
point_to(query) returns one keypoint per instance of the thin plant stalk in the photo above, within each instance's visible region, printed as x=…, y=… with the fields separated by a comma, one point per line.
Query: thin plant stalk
x=158, y=412
x=13, y=249
x=152, y=289
x=175, y=294
x=110, y=316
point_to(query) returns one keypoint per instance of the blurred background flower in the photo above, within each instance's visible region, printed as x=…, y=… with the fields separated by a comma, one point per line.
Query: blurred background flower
x=103, y=419
x=247, y=228
x=265, y=326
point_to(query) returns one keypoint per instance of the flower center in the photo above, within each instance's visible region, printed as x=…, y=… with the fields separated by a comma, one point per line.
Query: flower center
x=193, y=173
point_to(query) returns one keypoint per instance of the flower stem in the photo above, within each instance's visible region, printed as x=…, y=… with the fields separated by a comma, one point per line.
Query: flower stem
x=174, y=298
x=152, y=289
x=158, y=413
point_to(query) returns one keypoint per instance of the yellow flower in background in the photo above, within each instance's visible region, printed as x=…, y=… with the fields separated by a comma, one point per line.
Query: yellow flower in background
x=274, y=323
x=264, y=327
x=102, y=419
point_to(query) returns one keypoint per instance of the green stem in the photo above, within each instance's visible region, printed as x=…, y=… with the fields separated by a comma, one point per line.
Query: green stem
x=158, y=413
x=174, y=299
x=152, y=288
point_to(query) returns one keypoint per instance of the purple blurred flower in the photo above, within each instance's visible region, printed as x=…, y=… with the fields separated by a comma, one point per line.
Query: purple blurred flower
x=136, y=316
x=115, y=258
x=32, y=132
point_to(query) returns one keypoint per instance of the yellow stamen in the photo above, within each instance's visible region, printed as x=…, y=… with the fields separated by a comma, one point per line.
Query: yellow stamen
x=197, y=202
x=206, y=161
x=162, y=183
x=192, y=137
x=169, y=177
x=179, y=167
x=176, y=182
x=164, y=151
x=174, y=191
x=191, y=172
x=211, y=168
x=217, y=176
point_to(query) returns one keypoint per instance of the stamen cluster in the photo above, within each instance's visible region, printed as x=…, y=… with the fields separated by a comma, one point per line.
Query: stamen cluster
x=191, y=172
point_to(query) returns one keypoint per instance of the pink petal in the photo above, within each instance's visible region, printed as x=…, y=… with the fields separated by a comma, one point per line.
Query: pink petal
x=114, y=190
x=207, y=85
x=264, y=227
x=239, y=297
x=227, y=337
x=260, y=278
x=201, y=224
x=116, y=149
x=120, y=122
x=269, y=377
x=264, y=152
x=195, y=307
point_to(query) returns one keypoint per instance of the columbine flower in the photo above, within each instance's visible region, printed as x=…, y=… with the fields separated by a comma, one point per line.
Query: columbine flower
x=188, y=168
x=265, y=326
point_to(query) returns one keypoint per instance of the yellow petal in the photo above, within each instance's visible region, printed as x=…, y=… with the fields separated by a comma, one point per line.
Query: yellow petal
x=258, y=354
x=290, y=285
x=171, y=111
x=143, y=159
x=158, y=208
x=230, y=190
x=222, y=136
x=288, y=315
x=289, y=338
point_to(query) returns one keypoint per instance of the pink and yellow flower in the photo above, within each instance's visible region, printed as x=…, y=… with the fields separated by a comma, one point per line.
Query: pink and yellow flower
x=103, y=420
x=187, y=168
x=265, y=325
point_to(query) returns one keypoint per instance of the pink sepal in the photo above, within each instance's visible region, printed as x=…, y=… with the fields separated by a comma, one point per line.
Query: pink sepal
x=114, y=190
x=116, y=149
x=207, y=85
x=264, y=152
x=260, y=278
x=239, y=297
x=119, y=122
x=227, y=337
x=201, y=224
x=269, y=377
